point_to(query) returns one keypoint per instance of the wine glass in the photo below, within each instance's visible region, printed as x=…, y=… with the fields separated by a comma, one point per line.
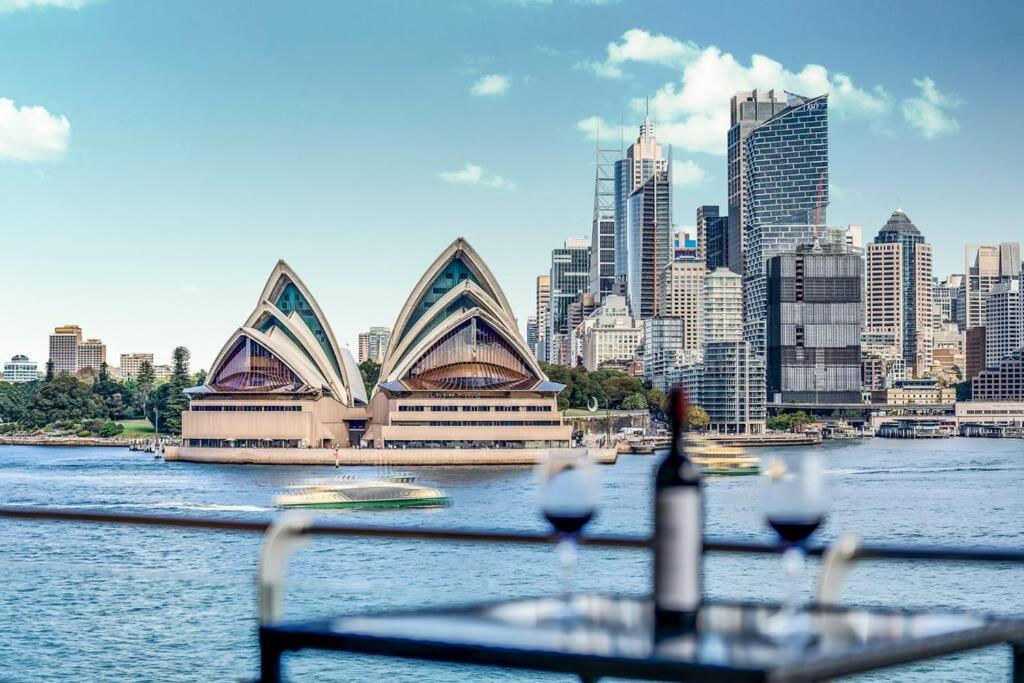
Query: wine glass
x=569, y=492
x=795, y=506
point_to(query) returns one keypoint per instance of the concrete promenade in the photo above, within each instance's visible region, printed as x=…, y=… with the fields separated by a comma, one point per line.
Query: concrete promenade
x=373, y=456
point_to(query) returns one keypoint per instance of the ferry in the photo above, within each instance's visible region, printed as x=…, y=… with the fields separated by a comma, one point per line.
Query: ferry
x=714, y=459
x=349, y=492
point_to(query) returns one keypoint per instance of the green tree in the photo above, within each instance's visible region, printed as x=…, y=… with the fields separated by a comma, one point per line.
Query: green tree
x=49, y=370
x=787, y=421
x=65, y=398
x=169, y=398
x=14, y=399
x=110, y=429
x=635, y=401
x=697, y=417
x=180, y=358
x=657, y=400
x=963, y=390
x=618, y=387
x=370, y=372
x=200, y=378
x=144, y=382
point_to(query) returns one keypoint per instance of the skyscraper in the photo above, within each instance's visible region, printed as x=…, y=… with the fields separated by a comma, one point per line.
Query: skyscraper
x=570, y=276
x=373, y=344
x=712, y=235
x=648, y=241
x=899, y=289
x=543, y=301
x=747, y=110
x=642, y=160
x=531, y=333
x=680, y=293
x=815, y=311
x=602, y=236
x=64, y=348
x=785, y=195
x=990, y=265
x=1004, y=321
x=723, y=306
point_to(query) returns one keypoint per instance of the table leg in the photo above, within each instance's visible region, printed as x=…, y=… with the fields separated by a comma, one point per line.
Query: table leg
x=1017, y=648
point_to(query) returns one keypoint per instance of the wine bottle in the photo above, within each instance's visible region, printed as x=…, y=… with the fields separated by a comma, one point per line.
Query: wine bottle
x=678, y=531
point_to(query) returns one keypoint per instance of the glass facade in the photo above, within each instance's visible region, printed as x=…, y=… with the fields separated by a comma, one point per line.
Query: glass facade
x=249, y=366
x=570, y=275
x=649, y=242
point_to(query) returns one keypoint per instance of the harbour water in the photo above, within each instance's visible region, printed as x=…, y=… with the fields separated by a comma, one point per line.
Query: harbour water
x=112, y=603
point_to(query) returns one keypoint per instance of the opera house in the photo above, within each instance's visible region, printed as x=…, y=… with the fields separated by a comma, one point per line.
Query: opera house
x=457, y=379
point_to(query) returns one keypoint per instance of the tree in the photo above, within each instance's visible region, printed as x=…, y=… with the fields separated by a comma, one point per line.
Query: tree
x=110, y=429
x=635, y=401
x=787, y=421
x=65, y=398
x=200, y=378
x=618, y=387
x=14, y=399
x=370, y=373
x=657, y=400
x=963, y=390
x=179, y=364
x=169, y=398
x=49, y=370
x=697, y=417
x=144, y=382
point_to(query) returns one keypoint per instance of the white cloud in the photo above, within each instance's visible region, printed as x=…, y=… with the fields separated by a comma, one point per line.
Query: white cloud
x=13, y=5
x=31, y=133
x=693, y=113
x=490, y=85
x=592, y=126
x=928, y=112
x=687, y=173
x=471, y=174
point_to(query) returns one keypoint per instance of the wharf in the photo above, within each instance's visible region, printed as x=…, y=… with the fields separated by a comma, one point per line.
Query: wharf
x=375, y=456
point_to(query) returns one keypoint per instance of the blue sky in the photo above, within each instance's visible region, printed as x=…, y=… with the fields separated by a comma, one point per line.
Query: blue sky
x=157, y=158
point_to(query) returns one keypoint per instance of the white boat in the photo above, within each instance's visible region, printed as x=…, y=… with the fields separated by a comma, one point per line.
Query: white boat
x=349, y=492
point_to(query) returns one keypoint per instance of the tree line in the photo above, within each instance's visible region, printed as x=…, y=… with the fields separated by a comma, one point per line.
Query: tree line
x=91, y=402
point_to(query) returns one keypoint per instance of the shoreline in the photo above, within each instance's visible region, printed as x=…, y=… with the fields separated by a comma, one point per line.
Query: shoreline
x=66, y=441
x=373, y=456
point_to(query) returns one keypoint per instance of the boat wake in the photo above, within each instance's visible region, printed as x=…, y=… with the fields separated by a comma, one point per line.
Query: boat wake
x=168, y=505
x=918, y=470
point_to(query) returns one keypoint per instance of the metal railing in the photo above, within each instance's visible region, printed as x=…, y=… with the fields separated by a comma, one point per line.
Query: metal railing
x=862, y=552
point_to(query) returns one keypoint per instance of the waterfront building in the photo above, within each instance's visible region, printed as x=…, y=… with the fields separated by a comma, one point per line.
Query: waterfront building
x=280, y=381
x=543, y=302
x=610, y=336
x=374, y=344
x=1004, y=321
x=785, y=195
x=732, y=389
x=986, y=265
x=20, y=369
x=914, y=392
x=64, y=349
x=648, y=240
x=681, y=289
x=874, y=372
x=665, y=351
x=723, y=306
x=815, y=312
x=974, y=351
x=1004, y=382
x=990, y=413
x=131, y=364
x=899, y=289
x=458, y=373
x=643, y=159
x=747, y=110
x=569, y=277
x=92, y=353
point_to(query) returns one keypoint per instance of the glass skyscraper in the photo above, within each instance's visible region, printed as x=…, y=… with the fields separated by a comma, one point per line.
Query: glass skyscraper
x=649, y=242
x=642, y=160
x=570, y=276
x=785, y=195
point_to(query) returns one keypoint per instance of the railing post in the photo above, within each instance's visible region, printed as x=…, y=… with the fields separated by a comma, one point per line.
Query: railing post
x=835, y=565
x=282, y=538
x=1017, y=653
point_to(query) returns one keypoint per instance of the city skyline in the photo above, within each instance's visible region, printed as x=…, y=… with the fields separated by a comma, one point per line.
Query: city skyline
x=153, y=188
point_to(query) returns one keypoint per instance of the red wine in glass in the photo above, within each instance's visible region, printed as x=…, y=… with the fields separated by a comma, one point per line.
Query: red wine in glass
x=568, y=523
x=795, y=530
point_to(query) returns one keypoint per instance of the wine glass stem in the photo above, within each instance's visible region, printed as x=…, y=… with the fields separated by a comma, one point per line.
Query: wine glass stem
x=567, y=560
x=793, y=565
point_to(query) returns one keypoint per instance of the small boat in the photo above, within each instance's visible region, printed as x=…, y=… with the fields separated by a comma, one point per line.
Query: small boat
x=348, y=492
x=714, y=459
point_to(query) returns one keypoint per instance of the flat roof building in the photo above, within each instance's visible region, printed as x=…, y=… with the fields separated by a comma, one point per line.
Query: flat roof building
x=20, y=369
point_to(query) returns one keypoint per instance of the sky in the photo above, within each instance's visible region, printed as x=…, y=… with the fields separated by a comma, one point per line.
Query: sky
x=158, y=158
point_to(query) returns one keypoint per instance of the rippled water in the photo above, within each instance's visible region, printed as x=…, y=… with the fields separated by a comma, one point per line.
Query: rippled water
x=111, y=603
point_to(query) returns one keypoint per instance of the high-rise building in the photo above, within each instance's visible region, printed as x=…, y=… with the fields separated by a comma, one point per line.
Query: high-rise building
x=733, y=388
x=610, y=335
x=680, y=295
x=815, y=313
x=131, y=364
x=1004, y=321
x=712, y=235
x=747, y=110
x=64, y=348
x=570, y=276
x=899, y=289
x=92, y=353
x=602, y=237
x=684, y=245
x=985, y=266
x=642, y=160
x=531, y=333
x=374, y=344
x=723, y=306
x=649, y=241
x=543, y=301
x=974, y=351
x=1004, y=382
x=785, y=195
x=665, y=352
x=20, y=369
x=579, y=311
x=948, y=301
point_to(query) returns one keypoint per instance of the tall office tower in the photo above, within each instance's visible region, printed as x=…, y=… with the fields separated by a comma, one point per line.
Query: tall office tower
x=899, y=289
x=850, y=235
x=543, y=301
x=20, y=369
x=642, y=160
x=579, y=310
x=733, y=388
x=974, y=351
x=986, y=265
x=747, y=110
x=785, y=196
x=723, y=306
x=712, y=235
x=92, y=353
x=570, y=276
x=531, y=333
x=649, y=241
x=680, y=293
x=665, y=352
x=64, y=348
x=131, y=364
x=815, y=312
x=1004, y=321
x=705, y=215
x=602, y=236
x=947, y=298
x=374, y=344
x=1004, y=382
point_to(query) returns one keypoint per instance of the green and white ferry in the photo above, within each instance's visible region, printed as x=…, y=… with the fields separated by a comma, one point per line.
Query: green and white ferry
x=349, y=492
